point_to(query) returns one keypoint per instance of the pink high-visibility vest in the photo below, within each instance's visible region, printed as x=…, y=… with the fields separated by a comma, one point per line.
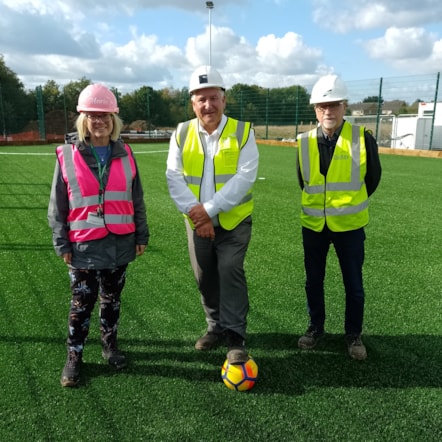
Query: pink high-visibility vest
x=83, y=193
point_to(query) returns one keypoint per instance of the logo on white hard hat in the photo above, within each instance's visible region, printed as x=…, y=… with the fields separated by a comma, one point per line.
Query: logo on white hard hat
x=203, y=79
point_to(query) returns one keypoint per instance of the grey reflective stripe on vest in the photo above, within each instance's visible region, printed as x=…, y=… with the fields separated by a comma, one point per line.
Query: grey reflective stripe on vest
x=110, y=219
x=355, y=183
x=240, y=128
x=223, y=178
x=320, y=188
x=246, y=198
x=190, y=179
x=116, y=196
x=183, y=131
x=334, y=211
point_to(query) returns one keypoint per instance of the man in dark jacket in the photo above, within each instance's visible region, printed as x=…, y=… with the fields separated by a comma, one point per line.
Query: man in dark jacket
x=338, y=169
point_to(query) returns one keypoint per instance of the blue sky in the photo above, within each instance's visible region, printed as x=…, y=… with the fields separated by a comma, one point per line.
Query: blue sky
x=271, y=43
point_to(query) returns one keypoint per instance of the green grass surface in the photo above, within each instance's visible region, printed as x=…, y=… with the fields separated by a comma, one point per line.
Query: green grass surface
x=170, y=392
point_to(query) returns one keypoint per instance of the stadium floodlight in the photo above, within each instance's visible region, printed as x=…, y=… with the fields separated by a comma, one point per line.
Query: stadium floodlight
x=210, y=6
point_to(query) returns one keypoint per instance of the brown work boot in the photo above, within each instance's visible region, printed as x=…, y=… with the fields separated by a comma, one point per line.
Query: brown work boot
x=70, y=377
x=310, y=338
x=209, y=341
x=236, y=348
x=115, y=357
x=356, y=348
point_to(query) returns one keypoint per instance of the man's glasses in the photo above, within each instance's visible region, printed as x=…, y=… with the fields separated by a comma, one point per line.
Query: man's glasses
x=99, y=117
x=331, y=106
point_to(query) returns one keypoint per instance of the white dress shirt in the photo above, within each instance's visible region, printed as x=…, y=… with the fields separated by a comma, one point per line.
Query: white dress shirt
x=232, y=192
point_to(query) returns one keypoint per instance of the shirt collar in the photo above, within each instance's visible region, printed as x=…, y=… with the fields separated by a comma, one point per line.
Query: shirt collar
x=221, y=124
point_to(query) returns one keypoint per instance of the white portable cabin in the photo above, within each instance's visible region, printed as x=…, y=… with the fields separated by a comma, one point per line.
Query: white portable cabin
x=411, y=131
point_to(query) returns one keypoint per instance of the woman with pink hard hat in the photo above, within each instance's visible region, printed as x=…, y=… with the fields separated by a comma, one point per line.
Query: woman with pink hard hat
x=98, y=220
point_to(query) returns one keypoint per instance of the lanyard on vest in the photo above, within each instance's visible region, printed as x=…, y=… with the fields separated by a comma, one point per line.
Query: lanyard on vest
x=101, y=171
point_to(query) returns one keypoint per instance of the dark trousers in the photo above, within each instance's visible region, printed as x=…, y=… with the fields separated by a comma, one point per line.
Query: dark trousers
x=218, y=267
x=86, y=286
x=349, y=247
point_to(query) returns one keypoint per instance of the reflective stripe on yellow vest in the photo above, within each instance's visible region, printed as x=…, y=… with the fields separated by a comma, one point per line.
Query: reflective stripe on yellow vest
x=83, y=191
x=340, y=199
x=232, y=139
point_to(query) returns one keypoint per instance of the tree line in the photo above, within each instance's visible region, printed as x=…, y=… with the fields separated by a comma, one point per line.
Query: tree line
x=163, y=108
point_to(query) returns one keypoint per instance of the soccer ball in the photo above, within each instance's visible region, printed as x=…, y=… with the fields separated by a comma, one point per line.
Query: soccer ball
x=240, y=377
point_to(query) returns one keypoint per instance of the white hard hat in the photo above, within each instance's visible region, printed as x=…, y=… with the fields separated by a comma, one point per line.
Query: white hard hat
x=328, y=88
x=205, y=77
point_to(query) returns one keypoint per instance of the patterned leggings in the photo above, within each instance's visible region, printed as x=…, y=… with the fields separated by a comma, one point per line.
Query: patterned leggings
x=86, y=285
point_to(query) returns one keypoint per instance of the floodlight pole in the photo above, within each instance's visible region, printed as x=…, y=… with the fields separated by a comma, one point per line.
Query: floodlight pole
x=210, y=6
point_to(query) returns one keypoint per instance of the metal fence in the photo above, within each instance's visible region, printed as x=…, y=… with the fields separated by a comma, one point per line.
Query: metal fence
x=402, y=112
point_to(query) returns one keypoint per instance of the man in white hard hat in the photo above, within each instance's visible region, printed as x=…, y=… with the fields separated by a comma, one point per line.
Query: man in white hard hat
x=338, y=169
x=211, y=167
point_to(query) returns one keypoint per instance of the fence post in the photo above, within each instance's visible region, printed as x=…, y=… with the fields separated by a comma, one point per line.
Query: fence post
x=40, y=113
x=148, y=111
x=267, y=114
x=379, y=111
x=296, y=111
x=434, y=111
x=66, y=129
x=3, y=113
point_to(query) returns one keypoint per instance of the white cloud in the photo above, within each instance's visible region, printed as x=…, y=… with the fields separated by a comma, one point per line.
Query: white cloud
x=402, y=43
x=351, y=15
x=287, y=55
x=355, y=15
x=412, y=50
x=65, y=40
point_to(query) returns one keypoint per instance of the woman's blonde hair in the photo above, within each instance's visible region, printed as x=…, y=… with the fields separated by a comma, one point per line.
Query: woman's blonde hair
x=83, y=133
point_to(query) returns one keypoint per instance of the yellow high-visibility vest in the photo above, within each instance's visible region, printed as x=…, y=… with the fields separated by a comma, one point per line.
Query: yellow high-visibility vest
x=232, y=139
x=340, y=198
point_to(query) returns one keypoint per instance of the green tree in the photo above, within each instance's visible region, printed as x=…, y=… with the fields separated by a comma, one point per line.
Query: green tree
x=290, y=105
x=16, y=105
x=180, y=107
x=136, y=106
x=373, y=99
x=71, y=92
x=238, y=100
x=52, y=96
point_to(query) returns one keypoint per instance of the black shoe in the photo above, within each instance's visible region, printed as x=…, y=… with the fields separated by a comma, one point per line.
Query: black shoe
x=70, y=377
x=209, y=341
x=311, y=338
x=115, y=357
x=236, y=348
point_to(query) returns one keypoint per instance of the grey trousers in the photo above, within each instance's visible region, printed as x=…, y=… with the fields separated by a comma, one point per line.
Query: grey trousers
x=218, y=267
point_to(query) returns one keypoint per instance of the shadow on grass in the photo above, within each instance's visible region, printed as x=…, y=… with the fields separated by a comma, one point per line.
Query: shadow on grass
x=393, y=362
x=406, y=361
x=399, y=362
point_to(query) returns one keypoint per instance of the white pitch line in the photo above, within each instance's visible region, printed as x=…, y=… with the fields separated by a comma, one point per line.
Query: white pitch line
x=53, y=153
x=24, y=153
x=151, y=151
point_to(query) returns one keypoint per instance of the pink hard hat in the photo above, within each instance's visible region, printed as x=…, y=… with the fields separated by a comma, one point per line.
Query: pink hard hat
x=97, y=98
